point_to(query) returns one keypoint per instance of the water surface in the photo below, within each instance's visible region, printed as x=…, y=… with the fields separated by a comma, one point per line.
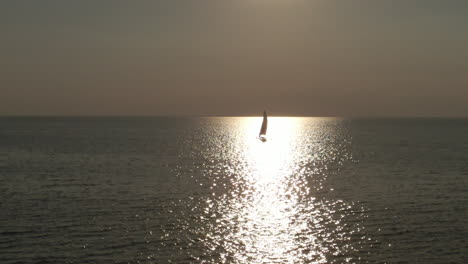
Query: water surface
x=205, y=190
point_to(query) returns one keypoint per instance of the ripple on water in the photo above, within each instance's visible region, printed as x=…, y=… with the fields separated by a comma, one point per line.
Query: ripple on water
x=267, y=203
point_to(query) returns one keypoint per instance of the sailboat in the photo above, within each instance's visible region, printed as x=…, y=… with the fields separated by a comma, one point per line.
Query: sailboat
x=263, y=129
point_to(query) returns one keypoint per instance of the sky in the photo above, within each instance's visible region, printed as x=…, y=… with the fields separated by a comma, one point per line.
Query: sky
x=211, y=57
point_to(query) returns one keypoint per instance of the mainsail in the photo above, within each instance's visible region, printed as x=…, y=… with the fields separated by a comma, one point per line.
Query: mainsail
x=263, y=130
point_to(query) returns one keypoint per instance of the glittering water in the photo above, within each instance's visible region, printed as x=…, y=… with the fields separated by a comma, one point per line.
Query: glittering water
x=205, y=190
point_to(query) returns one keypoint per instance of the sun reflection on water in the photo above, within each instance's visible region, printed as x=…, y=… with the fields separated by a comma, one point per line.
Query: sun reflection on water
x=265, y=229
x=269, y=159
x=267, y=226
x=266, y=203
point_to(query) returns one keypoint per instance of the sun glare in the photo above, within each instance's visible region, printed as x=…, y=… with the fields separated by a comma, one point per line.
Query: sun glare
x=269, y=159
x=265, y=207
x=268, y=205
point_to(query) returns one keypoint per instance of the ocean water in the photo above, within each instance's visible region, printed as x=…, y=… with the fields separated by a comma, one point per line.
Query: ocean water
x=205, y=190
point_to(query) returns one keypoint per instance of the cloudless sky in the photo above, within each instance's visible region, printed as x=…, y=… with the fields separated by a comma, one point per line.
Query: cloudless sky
x=290, y=57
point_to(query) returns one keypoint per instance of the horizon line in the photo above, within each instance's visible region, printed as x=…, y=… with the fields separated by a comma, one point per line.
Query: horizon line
x=207, y=116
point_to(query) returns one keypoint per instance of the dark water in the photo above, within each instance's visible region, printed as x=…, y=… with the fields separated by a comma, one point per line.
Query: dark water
x=205, y=190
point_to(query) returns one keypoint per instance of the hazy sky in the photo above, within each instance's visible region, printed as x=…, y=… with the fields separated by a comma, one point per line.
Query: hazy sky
x=234, y=57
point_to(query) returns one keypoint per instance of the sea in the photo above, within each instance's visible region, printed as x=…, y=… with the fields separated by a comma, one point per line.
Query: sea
x=206, y=190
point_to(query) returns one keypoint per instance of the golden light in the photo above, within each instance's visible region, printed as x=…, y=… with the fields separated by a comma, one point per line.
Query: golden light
x=269, y=159
x=266, y=210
